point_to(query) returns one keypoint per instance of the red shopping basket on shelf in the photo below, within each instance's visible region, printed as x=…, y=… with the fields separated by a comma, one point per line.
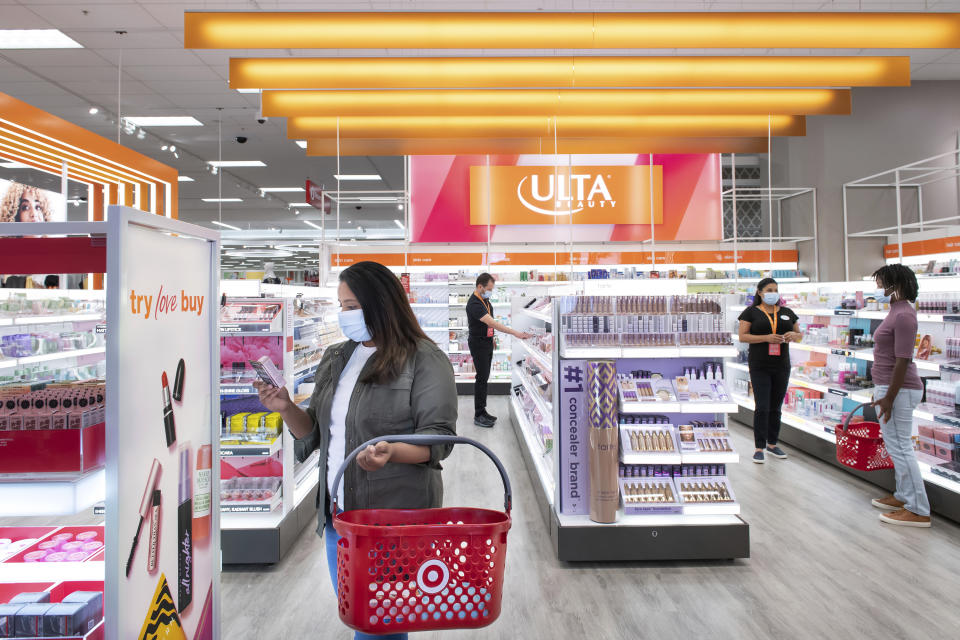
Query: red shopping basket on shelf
x=860, y=446
x=402, y=570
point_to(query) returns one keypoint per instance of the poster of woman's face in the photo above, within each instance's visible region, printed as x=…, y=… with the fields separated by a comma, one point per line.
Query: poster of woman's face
x=23, y=203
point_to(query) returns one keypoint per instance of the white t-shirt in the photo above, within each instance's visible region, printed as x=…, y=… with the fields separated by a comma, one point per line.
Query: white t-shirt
x=338, y=415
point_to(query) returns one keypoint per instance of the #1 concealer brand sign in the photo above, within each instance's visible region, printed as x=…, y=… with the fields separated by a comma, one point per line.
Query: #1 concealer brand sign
x=162, y=506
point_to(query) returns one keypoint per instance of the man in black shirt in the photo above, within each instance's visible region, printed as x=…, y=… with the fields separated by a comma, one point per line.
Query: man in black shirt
x=481, y=323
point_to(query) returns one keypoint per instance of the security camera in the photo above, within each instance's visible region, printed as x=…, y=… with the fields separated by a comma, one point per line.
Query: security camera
x=241, y=139
x=359, y=207
x=261, y=120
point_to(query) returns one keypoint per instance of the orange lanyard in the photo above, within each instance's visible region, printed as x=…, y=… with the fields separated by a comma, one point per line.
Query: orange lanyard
x=771, y=318
x=486, y=305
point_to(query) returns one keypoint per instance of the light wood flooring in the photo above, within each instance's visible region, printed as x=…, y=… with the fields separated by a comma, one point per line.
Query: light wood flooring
x=822, y=566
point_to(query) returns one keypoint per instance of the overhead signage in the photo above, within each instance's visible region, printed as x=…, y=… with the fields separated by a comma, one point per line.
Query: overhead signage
x=582, y=195
x=315, y=197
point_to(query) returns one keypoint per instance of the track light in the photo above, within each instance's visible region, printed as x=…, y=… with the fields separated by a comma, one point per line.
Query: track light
x=164, y=148
x=93, y=111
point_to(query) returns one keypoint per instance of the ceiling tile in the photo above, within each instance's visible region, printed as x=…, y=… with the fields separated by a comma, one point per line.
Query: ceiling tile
x=92, y=15
x=135, y=39
x=22, y=18
x=936, y=71
x=42, y=58
x=150, y=57
x=163, y=73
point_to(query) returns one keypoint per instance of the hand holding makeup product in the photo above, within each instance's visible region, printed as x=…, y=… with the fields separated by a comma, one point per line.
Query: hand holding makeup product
x=267, y=371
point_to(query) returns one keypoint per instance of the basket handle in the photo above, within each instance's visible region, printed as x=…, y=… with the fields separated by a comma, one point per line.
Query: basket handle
x=846, y=421
x=427, y=440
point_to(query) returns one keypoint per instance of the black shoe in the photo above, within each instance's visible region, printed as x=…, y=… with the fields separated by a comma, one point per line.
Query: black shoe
x=489, y=417
x=483, y=421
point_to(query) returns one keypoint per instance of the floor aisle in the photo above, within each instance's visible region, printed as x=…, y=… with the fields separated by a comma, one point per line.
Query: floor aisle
x=822, y=566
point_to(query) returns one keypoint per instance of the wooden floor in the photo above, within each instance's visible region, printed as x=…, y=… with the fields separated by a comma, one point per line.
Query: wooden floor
x=822, y=566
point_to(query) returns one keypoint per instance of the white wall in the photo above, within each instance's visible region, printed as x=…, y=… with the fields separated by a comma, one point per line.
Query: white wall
x=887, y=128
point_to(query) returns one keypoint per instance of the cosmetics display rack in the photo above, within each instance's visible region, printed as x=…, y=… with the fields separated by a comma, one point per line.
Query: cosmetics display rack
x=267, y=495
x=676, y=502
x=831, y=368
x=52, y=420
x=439, y=300
x=90, y=365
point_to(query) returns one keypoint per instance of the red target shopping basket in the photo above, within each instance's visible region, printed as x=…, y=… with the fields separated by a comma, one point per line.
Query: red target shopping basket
x=860, y=445
x=401, y=570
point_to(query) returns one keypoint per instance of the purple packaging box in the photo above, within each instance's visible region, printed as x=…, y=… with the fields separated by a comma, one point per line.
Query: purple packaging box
x=31, y=597
x=67, y=619
x=8, y=614
x=29, y=620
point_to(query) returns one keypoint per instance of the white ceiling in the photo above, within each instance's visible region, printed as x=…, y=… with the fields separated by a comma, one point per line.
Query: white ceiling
x=161, y=78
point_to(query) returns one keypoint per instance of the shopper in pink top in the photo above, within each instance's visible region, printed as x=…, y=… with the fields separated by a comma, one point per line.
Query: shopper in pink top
x=897, y=393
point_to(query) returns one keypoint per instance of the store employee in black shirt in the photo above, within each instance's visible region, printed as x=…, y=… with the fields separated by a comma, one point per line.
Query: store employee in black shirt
x=768, y=328
x=481, y=322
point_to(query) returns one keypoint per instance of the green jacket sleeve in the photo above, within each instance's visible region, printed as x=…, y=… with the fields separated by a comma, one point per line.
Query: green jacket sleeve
x=433, y=399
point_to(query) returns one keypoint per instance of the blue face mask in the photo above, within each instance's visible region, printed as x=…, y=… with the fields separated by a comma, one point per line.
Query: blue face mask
x=354, y=326
x=487, y=294
x=771, y=298
x=881, y=295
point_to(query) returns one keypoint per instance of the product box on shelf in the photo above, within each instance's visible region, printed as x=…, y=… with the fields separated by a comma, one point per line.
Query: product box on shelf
x=56, y=428
x=251, y=315
x=71, y=609
x=649, y=496
x=250, y=483
x=706, y=494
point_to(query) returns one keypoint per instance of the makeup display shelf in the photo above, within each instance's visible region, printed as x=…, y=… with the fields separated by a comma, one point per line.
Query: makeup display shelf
x=268, y=487
x=831, y=375
x=666, y=398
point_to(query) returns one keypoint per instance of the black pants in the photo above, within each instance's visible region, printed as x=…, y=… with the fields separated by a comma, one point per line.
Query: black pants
x=482, y=351
x=769, y=389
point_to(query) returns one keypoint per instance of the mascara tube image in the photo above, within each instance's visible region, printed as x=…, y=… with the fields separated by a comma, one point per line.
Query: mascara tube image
x=185, y=531
x=169, y=428
x=145, y=504
x=154, y=532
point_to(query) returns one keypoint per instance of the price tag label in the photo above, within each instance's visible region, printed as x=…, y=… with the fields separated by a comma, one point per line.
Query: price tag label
x=101, y=328
x=843, y=312
x=951, y=368
x=841, y=352
x=838, y=392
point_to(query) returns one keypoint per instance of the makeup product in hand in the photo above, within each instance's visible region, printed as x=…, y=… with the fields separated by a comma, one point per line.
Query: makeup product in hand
x=146, y=503
x=185, y=531
x=169, y=428
x=201, y=494
x=267, y=371
x=154, y=532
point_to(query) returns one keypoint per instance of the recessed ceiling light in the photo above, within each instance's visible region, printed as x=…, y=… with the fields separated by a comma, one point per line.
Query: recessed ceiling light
x=281, y=189
x=400, y=207
x=299, y=204
x=36, y=39
x=13, y=165
x=301, y=143
x=248, y=90
x=163, y=121
x=236, y=163
x=222, y=199
x=357, y=176
x=224, y=224
x=311, y=224
x=184, y=179
x=93, y=111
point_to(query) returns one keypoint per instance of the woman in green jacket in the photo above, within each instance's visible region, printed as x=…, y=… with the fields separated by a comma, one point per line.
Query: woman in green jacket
x=387, y=379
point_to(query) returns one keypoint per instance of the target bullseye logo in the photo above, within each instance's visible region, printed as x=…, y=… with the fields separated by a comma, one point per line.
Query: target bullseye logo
x=433, y=576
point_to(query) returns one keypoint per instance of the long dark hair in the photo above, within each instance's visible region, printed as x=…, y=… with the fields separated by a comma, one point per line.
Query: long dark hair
x=387, y=312
x=899, y=278
x=758, y=296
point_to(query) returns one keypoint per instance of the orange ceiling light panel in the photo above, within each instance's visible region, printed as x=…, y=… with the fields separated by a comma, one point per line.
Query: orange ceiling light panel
x=510, y=146
x=537, y=126
x=569, y=72
x=378, y=30
x=557, y=102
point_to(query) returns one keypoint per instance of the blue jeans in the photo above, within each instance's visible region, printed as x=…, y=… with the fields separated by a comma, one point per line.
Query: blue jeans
x=897, y=431
x=331, y=537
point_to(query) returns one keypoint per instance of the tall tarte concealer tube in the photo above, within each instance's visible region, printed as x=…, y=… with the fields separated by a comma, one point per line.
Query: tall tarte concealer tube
x=185, y=531
x=145, y=503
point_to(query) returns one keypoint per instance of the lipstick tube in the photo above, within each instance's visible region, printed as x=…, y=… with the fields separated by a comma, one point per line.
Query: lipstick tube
x=169, y=428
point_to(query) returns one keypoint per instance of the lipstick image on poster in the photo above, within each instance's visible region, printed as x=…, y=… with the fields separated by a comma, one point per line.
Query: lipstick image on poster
x=169, y=427
x=185, y=531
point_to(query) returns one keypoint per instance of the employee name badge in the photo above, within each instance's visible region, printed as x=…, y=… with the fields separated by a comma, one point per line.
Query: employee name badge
x=489, y=332
x=774, y=349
